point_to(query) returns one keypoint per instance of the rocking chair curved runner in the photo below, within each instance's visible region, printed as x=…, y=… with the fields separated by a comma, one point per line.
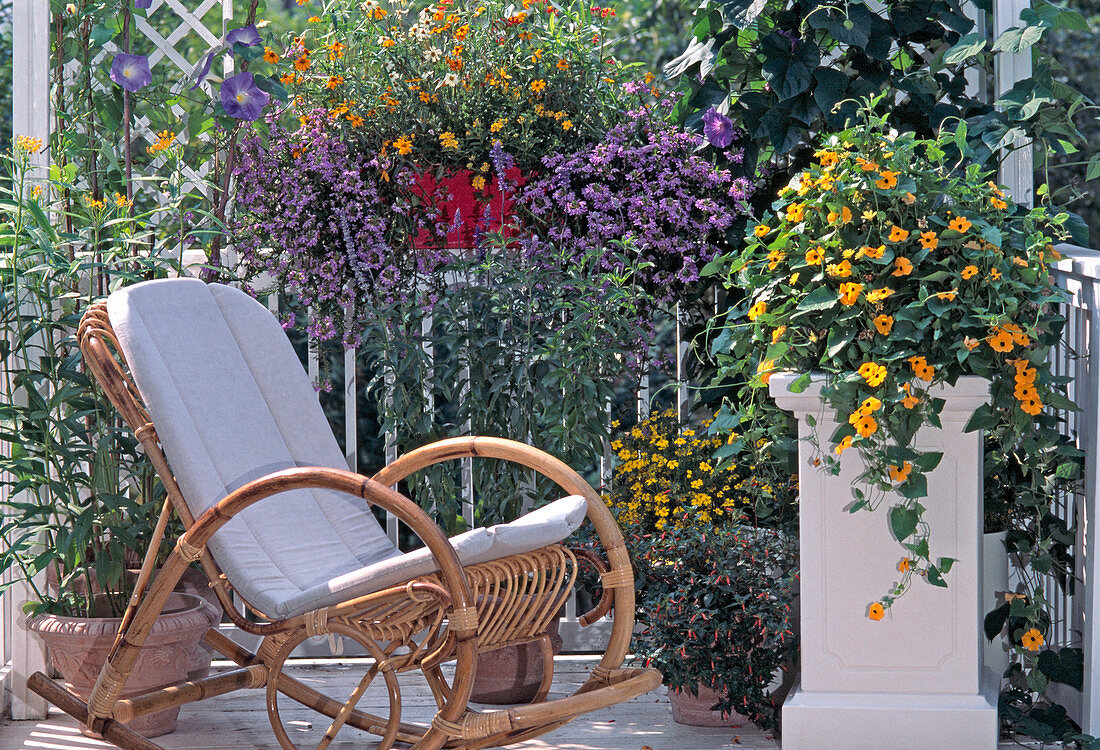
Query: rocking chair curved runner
x=222, y=407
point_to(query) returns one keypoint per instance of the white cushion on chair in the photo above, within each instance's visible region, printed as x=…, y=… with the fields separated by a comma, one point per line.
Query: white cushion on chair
x=232, y=403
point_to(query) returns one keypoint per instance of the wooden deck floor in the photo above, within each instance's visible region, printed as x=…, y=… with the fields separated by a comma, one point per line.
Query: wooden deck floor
x=239, y=722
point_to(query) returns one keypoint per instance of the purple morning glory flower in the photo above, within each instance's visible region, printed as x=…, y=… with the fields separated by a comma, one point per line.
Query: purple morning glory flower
x=131, y=72
x=242, y=98
x=717, y=128
x=143, y=4
x=246, y=35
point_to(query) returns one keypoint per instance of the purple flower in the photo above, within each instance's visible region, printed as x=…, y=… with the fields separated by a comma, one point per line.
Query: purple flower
x=143, y=4
x=131, y=72
x=242, y=98
x=717, y=128
x=246, y=35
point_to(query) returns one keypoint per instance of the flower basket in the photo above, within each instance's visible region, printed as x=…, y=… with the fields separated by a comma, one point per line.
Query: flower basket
x=918, y=671
x=467, y=211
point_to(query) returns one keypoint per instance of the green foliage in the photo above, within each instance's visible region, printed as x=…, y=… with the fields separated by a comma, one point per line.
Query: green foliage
x=80, y=496
x=893, y=270
x=791, y=71
x=528, y=349
x=714, y=608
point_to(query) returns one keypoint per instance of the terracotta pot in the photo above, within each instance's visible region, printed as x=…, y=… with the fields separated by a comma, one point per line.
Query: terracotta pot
x=512, y=674
x=79, y=647
x=469, y=204
x=695, y=710
x=192, y=582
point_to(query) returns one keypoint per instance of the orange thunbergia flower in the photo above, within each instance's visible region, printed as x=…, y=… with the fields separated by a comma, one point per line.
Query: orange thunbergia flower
x=949, y=296
x=849, y=293
x=994, y=274
x=872, y=252
x=828, y=159
x=902, y=267
x=887, y=181
x=765, y=370
x=761, y=230
x=796, y=212
x=909, y=199
x=865, y=424
x=775, y=257
x=876, y=611
x=904, y=564
x=877, y=295
x=929, y=240
x=778, y=333
x=1032, y=640
x=1001, y=339
x=870, y=405
x=873, y=373
x=814, y=256
x=910, y=400
x=900, y=473
x=1020, y=262
x=897, y=234
x=844, y=216
x=969, y=272
x=757, y=310
x=841, y=270
x=923, y=370
x=844, y=444
x=998, y=204
x=959, y=224
x=866, y=166
x=884, y=324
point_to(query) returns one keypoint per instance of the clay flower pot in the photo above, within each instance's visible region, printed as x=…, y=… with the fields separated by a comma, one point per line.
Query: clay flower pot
x=79, y=647
x=512, y=674
x=695, y=710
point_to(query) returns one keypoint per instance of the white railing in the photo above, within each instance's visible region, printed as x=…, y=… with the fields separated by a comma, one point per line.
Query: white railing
x=1073, y=623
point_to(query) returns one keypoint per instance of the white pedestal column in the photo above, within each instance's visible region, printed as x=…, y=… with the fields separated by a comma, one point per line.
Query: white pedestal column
x=914, y=679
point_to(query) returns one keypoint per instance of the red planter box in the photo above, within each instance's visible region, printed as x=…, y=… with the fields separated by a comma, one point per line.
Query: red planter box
x=467, y=202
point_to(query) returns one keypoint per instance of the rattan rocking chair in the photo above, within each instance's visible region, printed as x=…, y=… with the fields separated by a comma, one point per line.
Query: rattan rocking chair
x=212, y=389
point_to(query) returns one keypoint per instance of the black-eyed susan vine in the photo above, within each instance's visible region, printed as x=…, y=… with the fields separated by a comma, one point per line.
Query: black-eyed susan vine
x=892, y=265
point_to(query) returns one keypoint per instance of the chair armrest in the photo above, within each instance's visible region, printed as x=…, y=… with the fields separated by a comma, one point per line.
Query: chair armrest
x=353, y=484
x=619, y=579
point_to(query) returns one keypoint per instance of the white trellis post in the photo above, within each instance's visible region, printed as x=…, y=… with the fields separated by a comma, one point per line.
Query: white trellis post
x=1017, y=168
x=31, y=117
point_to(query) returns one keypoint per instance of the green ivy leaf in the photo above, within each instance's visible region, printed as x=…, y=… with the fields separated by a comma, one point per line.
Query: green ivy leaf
x=967, y=47
x=788, y=65
x=903, y=521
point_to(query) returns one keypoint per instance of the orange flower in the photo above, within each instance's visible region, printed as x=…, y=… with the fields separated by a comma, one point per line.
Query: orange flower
x=998, y=203
x=844, y=216
x=902, y=267
x=562, y=65
x=904, y=564
x=843, y=445
x=849, y=293
x=757, y=310
x=795, y=212
x=900, y=473
x=1000, y=340
x=929, y=240
x=994, y=274
x=873, y=373
x=969, y=272
x=334, y=81
x=814, y=256
x=910, y=400
x=873, y=252
x=884, y=324
x=840, y=270
x=765, y=370
x=270, y=56
x=1032, y=640
x=897, y=234
x=889, y=180
x=959, y=224
x=302, y=63
x=761, y=230
x=778, y=333
x=775, y=257
x=922, y=369
x=876, y=611
x=877, y=295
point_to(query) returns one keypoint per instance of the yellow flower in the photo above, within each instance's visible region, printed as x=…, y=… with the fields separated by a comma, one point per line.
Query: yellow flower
x=959, y=224
x=884, y=324
x=876, y=611
x=567, y=125
x=497, y=126
x=869, y=215
x=28, y=144
x=814, y=255
x=478, y=182
x=448, y=140
x=404, y=145
x=778, y=333
x=902, y=267
x=761, y=230
x=538, y=85
x=1032, y=640
x=795, y=212
x=757, y=310
x=877, y=295
x=844, y=445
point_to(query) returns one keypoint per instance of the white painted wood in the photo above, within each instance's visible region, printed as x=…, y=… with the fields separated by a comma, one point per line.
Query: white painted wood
x=1078, y=272
x=919, y=670
x=31, y=117
x=1017, y=167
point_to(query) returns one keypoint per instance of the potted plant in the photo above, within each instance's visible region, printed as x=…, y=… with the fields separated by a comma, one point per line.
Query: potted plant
x=79, y=495
x=715, y=590
x=456, y=106
x=900, y=304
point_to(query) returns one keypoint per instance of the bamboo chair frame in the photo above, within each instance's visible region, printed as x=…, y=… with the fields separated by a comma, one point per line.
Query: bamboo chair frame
x=451, y=615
